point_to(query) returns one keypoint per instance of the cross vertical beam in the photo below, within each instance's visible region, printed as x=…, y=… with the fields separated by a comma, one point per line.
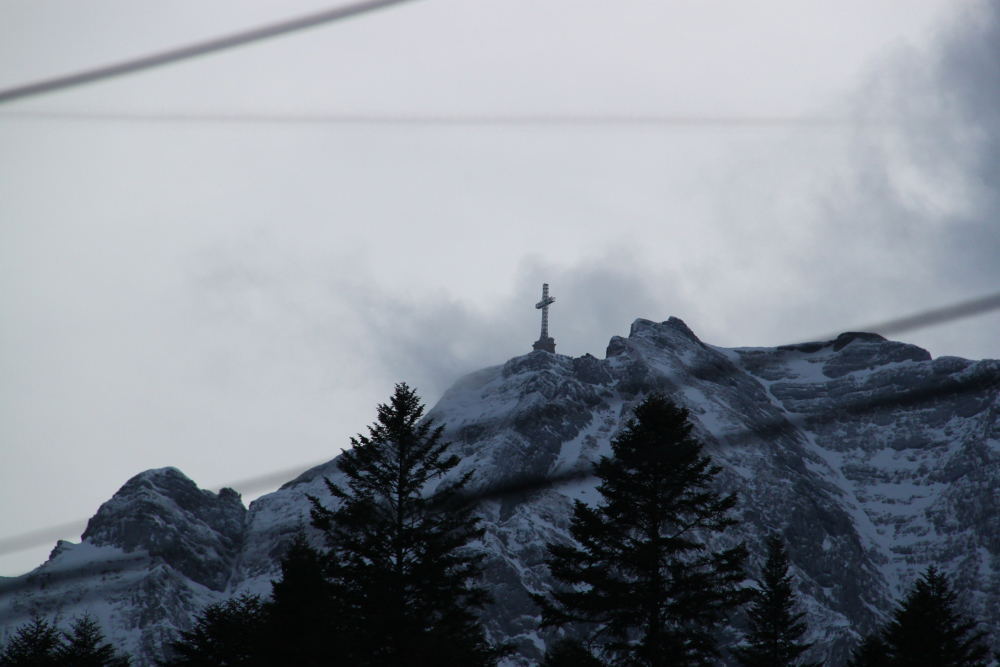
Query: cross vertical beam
x=544, y=342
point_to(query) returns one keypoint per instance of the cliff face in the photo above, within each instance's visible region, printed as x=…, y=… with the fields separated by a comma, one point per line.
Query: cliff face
x=870, y=458
x=164, y=514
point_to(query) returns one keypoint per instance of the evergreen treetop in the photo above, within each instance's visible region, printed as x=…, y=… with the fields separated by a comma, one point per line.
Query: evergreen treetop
x=398, y=554
x=36, y=644
x=775, y=627
x=86, y=647
x=39, y=644
x=643, y=577
x=304, y=616
x=567, y=652
x=225, y=634
x=871, y=652
x=925, y=631
x=294, y=628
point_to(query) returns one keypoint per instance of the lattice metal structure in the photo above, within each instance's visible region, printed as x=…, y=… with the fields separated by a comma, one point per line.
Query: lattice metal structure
x=544, y=342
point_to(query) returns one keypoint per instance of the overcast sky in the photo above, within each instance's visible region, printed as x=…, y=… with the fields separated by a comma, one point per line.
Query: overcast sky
x=234, y=298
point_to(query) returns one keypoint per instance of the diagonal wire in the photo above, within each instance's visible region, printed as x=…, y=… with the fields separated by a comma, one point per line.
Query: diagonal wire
x=929, y=318
x=773, y=427
x=248, y=486
x=516, y=120
x=193, y=50
x=526, y=484
x=531, y=483
x=37, y=538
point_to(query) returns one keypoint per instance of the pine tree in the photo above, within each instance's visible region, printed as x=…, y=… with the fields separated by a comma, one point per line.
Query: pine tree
x=398, y=558
x=225, y=634
x=926, y=631
x=36, y=644
x=294, y=628
x=87, y=648
x=642, y=577
x=871, y=652
x=569, y=653
x=300, y=619
x=775, y=629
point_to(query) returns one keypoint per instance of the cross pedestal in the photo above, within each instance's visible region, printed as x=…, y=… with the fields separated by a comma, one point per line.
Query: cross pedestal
x=547, y=344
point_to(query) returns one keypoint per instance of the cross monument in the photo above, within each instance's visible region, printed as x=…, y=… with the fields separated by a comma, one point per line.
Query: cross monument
x=544, y=342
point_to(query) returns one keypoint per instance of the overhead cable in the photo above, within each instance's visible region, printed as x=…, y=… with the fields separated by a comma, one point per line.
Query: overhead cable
x=37, y=538
x=193, y=50
x=928, y=318
x=271, y=480
x=782, y=426
x=249, y=486
x=498, y=119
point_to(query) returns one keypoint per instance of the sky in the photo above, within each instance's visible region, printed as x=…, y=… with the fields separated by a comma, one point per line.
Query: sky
x=234, y=298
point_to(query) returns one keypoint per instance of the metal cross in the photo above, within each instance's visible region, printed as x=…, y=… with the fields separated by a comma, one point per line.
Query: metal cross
x=544, y=305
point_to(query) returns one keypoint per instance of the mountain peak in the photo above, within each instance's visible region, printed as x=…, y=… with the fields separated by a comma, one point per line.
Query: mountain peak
x=164, y=513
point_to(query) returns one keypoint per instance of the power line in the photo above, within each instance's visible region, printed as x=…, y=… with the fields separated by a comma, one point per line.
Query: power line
x=516, y=120
x=247, y=486
x=37, y=538
x=270, y=480
x=193, y=50
x=928, y=318
x=774, y=427
x=531, y=483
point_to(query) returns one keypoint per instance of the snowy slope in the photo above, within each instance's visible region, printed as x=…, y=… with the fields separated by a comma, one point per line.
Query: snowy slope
x=870, y=458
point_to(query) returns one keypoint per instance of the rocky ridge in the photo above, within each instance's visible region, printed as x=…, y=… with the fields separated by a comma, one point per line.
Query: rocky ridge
x=870, y=458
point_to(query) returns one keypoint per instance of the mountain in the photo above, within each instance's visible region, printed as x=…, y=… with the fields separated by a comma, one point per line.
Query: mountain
x=869, y=457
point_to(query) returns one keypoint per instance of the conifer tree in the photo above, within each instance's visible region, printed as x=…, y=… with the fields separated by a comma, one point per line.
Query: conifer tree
x=300, y=620
x=36, y=644
x=225, y=634
x=775, y=628
x=295, y=627
x=926, y=631
x=86, y=647
x=871, y=652
x=569, y=653
x=641, y=576
x=398, y=557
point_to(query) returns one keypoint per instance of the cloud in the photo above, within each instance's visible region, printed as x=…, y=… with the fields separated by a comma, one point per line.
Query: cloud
x=938, y=176
x=786, y=238
x=334, y=323
x=828, y=232
x=968, y=76
x=925, y=194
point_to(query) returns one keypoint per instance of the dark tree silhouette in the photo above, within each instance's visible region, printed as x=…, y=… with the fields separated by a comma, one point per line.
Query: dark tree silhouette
x=642, y=577
x=398, y=557
x=569, y=653
x=36, y=644
x=86, y=647
x=775, y=627
x=39, y=644
x=926, y=631
x=225, y=634
x=871, y=652
x=300, y=620
x=294, y=628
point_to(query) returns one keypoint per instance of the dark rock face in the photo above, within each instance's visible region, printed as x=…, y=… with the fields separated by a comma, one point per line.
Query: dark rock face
x=590, y=370
x=868, y=457
x=162, y=512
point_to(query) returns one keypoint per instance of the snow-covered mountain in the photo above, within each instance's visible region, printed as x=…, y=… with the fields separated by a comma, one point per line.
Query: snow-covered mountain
x=870, y=458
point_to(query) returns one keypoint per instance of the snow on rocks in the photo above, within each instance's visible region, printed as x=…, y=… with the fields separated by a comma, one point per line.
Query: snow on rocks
x=871, y=459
